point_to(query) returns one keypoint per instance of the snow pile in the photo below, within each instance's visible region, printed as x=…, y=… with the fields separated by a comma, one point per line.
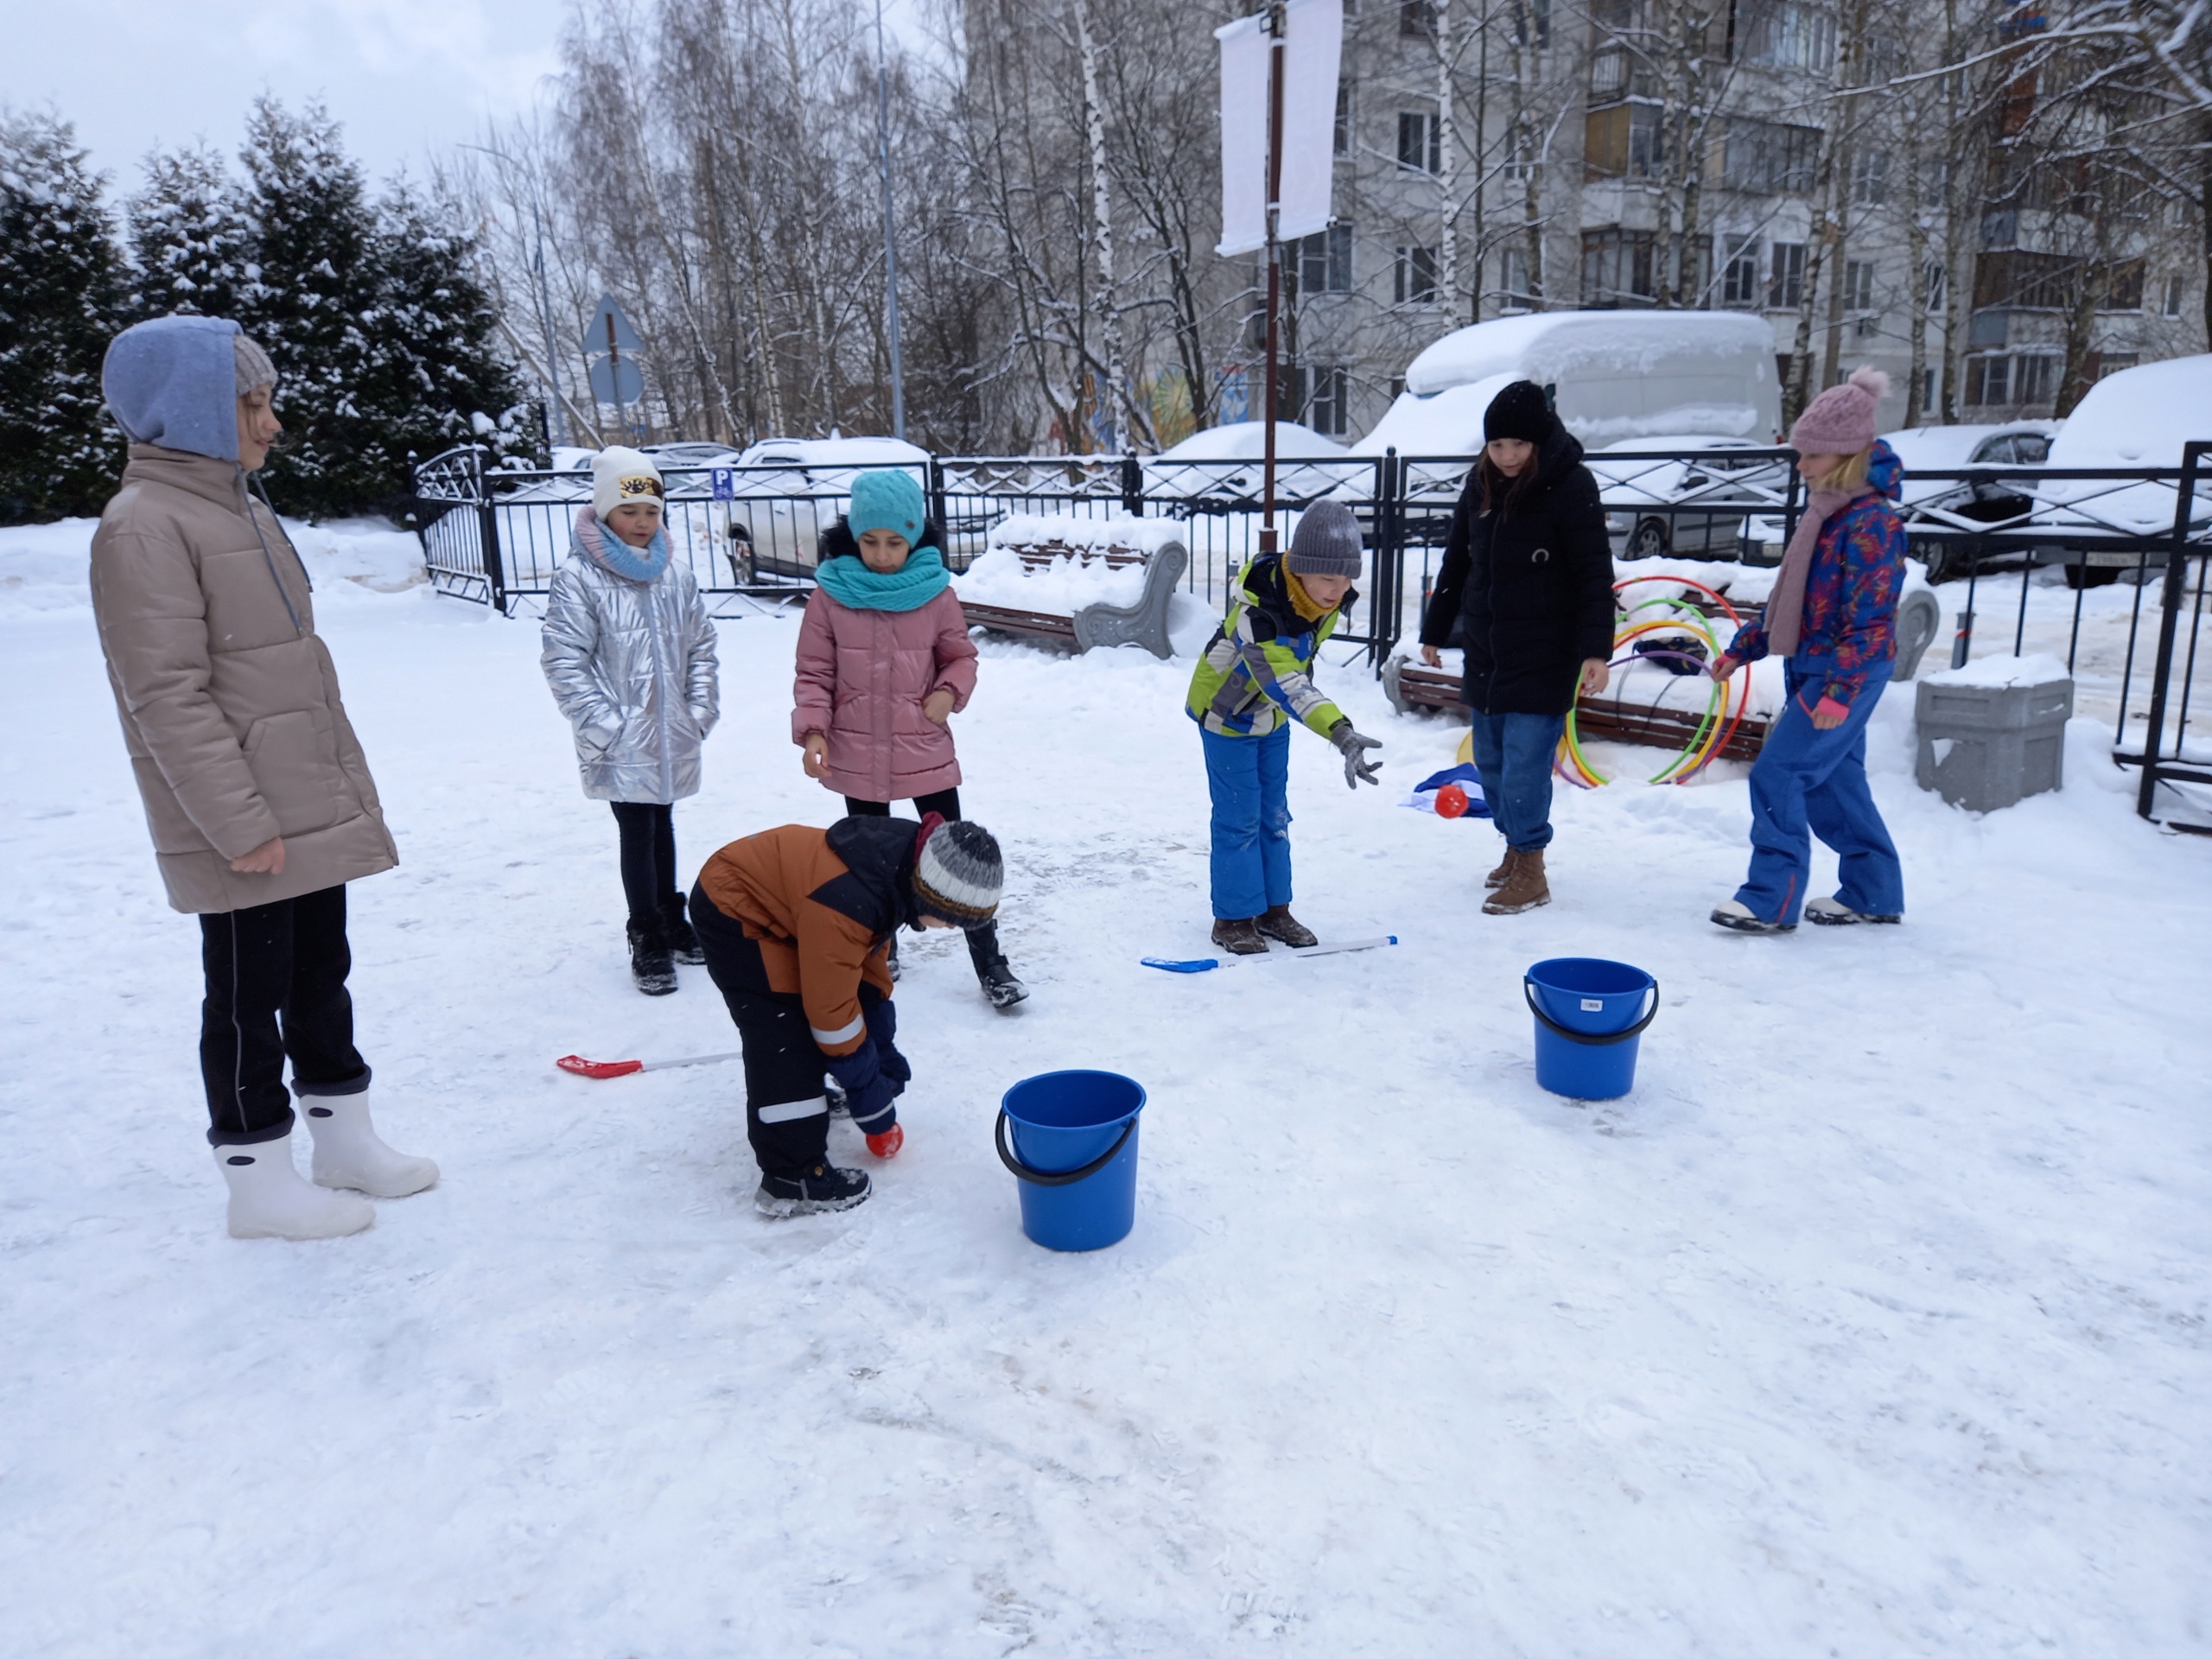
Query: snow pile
x=999, y=576
x=1077, y=531
x=374, y=553
x=45, y=566
x=1989, y=671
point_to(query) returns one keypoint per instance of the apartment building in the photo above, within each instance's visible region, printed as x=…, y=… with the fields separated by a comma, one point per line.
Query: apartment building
x=1519, y=154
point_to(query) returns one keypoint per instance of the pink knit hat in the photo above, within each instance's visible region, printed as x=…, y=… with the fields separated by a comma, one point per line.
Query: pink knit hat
x=1841, y=420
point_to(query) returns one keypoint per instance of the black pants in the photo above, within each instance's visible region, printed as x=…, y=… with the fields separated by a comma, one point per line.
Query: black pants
x=982, y=941
x=786, y=1108
x=648, y=856
x=275, y=987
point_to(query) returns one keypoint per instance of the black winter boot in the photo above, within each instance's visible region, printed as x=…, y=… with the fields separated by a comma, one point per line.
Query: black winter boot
x=991, y=972
x=823, y=1187
x=683, y=943
x=651, y=966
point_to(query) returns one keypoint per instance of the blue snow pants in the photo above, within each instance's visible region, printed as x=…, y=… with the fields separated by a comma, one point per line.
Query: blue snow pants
x=1513, y=754
x=1809, y=780
x=1250, y=779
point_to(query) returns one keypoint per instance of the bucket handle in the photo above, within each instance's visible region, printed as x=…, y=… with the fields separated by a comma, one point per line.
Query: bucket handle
x=1068, y=1177
x=1588, y=1039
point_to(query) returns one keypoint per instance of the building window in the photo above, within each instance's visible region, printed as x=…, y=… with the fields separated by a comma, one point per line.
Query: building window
x=1988, y=379
x=1928, y=391
x=1417, y=18
x=1513, y=277
x=1739, y=275
x=1323, y=262
x=1342, y=143
x=1421, y=142
x=1939, y=285
x=2173, y=307
x=2025, y=379
x=2124, y=292
x=1768, y=158
x=2111, y=363
x=1319, y=395
x=1791, y=36
x=1870, y=177
x=1532, y=22
x=1859, y=285
x=1785, y=288
x=1416, y=282
x=1623, y=140
x=1617, y=268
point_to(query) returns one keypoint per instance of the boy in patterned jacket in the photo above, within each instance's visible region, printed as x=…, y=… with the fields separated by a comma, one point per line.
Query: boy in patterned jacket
x=1833, y=615
x=1255, y=678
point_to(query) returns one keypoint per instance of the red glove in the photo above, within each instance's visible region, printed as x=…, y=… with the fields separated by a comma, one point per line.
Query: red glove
x=886, y=1145
x=1837, y=712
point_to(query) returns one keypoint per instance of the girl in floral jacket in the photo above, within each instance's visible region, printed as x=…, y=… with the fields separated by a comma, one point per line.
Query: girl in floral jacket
x=1832, y=614
x=884, y=663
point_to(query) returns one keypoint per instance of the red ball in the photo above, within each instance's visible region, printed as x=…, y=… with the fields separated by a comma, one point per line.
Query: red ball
x=1451, y=801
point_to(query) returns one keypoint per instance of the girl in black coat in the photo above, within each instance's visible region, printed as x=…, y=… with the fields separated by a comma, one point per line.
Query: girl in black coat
x=1528, y=577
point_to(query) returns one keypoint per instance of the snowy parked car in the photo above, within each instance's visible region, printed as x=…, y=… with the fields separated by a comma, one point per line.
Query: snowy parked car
x=787, y=490
x=1693, y=507
x=1949, y=448
x=1221, y=466
x=2143, y=416
x=1614, y=376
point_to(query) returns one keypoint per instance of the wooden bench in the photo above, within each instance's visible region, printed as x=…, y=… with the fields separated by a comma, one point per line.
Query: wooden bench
x=1409, y=685
x=1091, y=626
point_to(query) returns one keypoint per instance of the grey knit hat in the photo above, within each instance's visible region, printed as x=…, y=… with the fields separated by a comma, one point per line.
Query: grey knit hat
x=958, y=873
x=1327, y=542
x=254, y=368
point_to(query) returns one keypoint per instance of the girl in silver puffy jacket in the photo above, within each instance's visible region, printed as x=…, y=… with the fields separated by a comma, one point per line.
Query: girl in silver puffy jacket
x=629, y=651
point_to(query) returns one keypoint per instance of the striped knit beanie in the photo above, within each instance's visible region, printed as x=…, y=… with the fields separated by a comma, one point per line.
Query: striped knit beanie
x=958, y=873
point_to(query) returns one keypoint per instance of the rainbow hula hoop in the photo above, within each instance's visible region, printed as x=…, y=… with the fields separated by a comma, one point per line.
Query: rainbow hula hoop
x=1719, y=723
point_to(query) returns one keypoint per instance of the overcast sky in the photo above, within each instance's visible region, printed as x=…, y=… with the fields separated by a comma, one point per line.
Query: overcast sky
x=406, y=78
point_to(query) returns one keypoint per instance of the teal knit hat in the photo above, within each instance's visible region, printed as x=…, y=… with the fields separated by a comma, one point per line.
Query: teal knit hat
x=886, y=500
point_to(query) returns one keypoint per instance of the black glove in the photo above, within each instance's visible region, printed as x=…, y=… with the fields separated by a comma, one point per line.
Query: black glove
x=869, y=1090
x=882, y=1025
x=1357, y=768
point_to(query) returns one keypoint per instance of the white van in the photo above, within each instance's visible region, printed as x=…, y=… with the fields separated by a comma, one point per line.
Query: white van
x=1615, y=376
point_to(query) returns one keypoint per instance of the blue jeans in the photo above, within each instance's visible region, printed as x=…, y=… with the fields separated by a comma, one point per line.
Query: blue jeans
x=1250, y=779
x=1513, y=754
x=1807, y=780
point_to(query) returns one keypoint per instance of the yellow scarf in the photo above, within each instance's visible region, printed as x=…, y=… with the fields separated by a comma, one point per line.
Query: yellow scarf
x=1309, y=608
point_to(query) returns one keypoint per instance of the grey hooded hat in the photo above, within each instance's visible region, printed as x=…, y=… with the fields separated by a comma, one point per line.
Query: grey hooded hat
x=174, y=381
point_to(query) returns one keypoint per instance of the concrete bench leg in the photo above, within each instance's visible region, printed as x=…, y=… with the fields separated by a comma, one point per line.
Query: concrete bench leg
x=1144, y=623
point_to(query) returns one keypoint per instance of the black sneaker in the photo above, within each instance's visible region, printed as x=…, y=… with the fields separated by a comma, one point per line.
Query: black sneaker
x=651, y=968
x=1277, y=923
x=999, y=985
x=823, y=1187
x=683, y=943
x=1834, y=913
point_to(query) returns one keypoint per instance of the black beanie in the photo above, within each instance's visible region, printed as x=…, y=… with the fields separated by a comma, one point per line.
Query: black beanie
x=1519, y=411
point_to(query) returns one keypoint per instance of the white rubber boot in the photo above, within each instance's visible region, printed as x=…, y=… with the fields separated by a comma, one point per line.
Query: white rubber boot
x=269, y=1200
x=348, y=1153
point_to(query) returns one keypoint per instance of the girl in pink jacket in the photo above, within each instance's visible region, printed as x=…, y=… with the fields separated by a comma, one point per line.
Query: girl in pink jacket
x=884, y=663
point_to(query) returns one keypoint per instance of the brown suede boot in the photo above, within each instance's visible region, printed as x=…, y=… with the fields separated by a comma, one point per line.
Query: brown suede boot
x=1277, y=923
x=1498, y=877
x=1240, y=938
x=1524, y=889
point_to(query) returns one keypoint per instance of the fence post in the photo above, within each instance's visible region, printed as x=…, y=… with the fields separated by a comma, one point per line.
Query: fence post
x=1389, y=562
x=2169, y=624
x=487, y=536
x=1132, y=487
x=936, y=496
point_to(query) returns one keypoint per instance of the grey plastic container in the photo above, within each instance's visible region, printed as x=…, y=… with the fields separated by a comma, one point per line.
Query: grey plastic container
x=1987, y=746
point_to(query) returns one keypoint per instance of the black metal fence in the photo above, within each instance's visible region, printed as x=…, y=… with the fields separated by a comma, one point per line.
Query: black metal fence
x=750, y=535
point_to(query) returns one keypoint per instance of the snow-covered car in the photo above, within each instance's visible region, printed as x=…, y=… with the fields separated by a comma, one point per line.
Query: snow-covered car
x=1691, y=503
x=786, y=492
x=2143, y=416
x=1225, y=464
x=1925, y=449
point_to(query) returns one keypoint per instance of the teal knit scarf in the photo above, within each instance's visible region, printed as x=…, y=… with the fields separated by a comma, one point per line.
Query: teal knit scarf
x=909, y=588
x=610, y=552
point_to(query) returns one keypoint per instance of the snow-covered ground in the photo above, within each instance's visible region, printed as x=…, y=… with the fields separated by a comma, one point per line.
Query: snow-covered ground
x=1872, y=1323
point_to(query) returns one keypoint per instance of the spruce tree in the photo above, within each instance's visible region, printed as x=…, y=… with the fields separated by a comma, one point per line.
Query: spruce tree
x=61, y=294
x=439, y=377
x=311, y=300
x=191, y=240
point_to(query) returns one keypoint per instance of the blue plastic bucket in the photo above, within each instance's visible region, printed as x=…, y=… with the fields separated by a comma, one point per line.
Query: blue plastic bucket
x=1590, y=1015
x=1075, y=1154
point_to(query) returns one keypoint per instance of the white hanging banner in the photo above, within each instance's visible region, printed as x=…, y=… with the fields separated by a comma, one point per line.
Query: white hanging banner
x=1314, y=34
x=1314, y=39
x=1244, y=46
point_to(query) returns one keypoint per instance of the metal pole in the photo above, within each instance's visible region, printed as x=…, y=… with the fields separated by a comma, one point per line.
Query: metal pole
x=890, y=247
x=2169, y=616
x=1274, y=263
x=545, y=316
